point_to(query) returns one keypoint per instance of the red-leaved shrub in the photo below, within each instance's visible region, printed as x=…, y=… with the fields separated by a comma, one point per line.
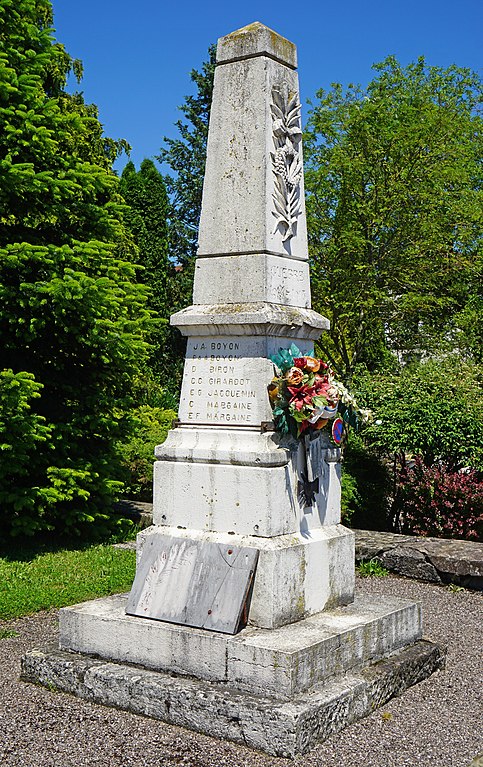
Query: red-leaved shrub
x=439, y=501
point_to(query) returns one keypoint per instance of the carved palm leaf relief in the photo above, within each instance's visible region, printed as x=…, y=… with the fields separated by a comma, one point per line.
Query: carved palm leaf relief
x=286, y=162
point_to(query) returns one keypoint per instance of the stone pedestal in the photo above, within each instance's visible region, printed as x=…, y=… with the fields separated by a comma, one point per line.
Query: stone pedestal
x=278, y=691
x=227, y=487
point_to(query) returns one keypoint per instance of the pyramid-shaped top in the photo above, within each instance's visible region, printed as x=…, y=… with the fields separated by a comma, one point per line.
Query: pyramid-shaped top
x=256, y=40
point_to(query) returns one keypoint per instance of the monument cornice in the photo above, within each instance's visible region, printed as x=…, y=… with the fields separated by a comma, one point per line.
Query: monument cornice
x=258, y=318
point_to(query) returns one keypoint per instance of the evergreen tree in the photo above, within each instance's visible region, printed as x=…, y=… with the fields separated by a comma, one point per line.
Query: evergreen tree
x=147, y=220
x=186, y=156
x=72, y=318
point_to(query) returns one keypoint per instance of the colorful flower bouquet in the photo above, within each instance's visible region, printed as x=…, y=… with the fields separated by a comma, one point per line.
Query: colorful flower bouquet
x=306, y=397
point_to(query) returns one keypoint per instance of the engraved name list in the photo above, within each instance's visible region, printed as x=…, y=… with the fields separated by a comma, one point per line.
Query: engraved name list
x=218, y=385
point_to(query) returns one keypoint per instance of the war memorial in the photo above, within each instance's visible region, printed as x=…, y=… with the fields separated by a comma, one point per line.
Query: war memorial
x=242, y=622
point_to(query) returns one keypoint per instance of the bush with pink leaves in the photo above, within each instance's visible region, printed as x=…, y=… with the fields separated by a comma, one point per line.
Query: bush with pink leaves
x=439, y=501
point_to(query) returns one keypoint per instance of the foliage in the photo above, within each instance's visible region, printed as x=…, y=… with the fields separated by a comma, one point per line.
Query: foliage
x=350, y=497
x=454, y=589
x=62, y=577
x=366, y=486
x=395, y=213
x=72, y=318
x=20, y=431
x=147, y=220
x=150, y=426
x=371, y=568
x=145, y=193
x=186, y=156
x=439, y=501
x=433, y=409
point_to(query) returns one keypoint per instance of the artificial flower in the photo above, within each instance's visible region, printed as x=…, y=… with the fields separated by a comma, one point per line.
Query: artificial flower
x=312, y=365
x=273, y=391
x=301, y=395
x=305, y=396
x=294, y=376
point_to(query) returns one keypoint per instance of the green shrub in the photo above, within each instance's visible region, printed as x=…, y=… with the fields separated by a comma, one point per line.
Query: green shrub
x=366, y=486
x=433, y=409
x=73, y=319
x=433, y=412
x=21, y=431
x=150, y=426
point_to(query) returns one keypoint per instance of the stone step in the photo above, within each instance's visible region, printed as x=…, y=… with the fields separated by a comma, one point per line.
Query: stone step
x=281, y=662
x=281, y=728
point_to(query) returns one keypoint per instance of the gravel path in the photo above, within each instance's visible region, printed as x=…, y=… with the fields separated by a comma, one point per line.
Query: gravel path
x=434, y=724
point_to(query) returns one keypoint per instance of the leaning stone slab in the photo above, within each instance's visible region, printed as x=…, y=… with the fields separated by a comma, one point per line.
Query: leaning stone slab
x=281, y=728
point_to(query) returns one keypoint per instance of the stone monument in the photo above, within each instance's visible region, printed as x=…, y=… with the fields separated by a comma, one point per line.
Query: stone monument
x=242, y=621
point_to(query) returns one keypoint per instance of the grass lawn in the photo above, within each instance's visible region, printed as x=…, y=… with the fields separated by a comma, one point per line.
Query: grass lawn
x=32, y=581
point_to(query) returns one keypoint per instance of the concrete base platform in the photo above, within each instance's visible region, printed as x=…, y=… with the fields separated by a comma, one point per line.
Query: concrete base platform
x=281, y=728
x=282, y=662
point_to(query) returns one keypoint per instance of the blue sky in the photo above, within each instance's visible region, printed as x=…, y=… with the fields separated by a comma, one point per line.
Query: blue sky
x=137, y=55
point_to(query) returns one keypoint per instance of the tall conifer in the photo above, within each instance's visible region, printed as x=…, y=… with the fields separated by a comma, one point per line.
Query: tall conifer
x=72, y=317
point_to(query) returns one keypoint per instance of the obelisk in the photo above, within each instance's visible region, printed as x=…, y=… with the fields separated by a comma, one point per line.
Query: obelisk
x=220, y=471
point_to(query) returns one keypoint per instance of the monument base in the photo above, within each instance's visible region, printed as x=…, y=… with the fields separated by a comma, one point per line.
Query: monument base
x=278, y=690
x=280, y=728
x=297, y=575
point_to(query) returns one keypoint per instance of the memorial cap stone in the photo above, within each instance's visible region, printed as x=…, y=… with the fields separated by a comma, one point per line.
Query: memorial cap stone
x=256, y=40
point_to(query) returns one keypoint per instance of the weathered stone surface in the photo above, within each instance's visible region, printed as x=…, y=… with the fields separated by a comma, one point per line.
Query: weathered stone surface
x=218, y=473
x=252, y=319
x=297, y=575
x=276, y=279
x=281, y=662
x=408, y=561
x=439, y=560
x=225, y=381
x=256, y=40
x=201, y=583
x=243, y=482
x=239, y=214
x=281, y=728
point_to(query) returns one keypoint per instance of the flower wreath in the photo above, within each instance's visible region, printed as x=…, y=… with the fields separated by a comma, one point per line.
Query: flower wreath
x=305, y=397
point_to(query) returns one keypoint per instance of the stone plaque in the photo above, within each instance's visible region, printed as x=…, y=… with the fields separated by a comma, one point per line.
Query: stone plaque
x=225, y=381
x=192, y=582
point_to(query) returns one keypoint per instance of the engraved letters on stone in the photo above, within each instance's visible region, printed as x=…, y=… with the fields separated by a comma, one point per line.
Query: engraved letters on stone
x=286, y=162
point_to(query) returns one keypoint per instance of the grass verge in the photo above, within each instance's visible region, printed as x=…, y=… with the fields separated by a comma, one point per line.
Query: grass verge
x=62, y=577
